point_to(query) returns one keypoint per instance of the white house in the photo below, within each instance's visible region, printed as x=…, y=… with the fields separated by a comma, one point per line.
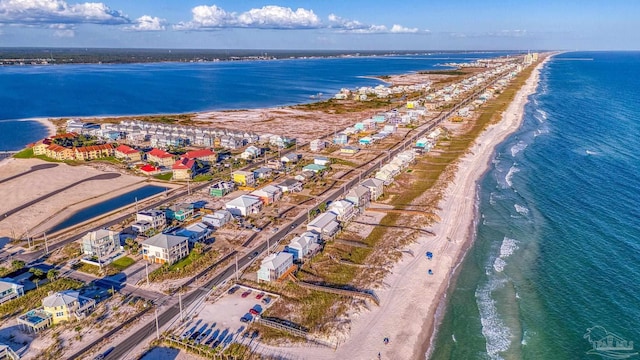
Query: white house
x=218, y=219
x=10, y=290
x=303, y=245
x=165, y=248
x=317, y=145
x=325, y=224
x=290, y=185
x=322, y=161
x=360, y=196
x=290, y=158
x=274, y=266
x=344, y=209
x=375, y=186
x=149, y=219
x=101, y=243
x=244, y=205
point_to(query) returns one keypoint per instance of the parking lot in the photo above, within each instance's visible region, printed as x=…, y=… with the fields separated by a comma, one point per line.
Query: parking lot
x=225, y=321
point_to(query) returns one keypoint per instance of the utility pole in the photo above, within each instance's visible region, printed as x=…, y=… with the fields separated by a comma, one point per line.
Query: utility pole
x=46, y=246
x=237, y=265
x=180, y=300
x=157, y=326
x=136, y=204
x=268, y=247
x=146, y=269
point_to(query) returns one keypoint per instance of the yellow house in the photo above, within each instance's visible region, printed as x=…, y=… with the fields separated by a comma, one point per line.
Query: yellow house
x=244, y=178
x=67, y=305
x=58, y=152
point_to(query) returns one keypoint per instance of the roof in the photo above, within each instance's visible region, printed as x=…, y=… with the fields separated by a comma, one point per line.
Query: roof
x=289, y=182
x=100, y=234
x=6, y=284
x=358, y=191
x=149, y=168
x=314, y=167
x=126, y=149
x=195, y=154
x=323, y=220
x=184, y=164
x=62, y=298
x=57, y=148
x=165, y=241
x=70, y=135
x=373, y=182
x=94, y=148
x=159, y=153
x=244, y=201
x=274, y=261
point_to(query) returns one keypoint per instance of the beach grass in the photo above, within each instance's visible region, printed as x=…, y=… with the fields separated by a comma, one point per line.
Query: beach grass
x=24, y=154
x=164, y=177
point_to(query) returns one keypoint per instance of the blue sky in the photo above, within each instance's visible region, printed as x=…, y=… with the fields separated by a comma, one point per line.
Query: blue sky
x=323, y=24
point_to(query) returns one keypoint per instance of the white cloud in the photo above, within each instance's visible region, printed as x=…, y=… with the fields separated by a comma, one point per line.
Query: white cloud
x=353, y=26
x=44, y=12
x=147, y=23
x=399, y=29
x=267, y=17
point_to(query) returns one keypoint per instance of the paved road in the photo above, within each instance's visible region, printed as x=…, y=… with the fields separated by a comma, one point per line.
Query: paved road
x=33, y=169
x=107, y=176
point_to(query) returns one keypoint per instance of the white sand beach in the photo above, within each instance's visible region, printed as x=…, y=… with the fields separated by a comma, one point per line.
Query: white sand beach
x=410, y=297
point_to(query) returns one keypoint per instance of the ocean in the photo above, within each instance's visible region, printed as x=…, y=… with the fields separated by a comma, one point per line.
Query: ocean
x=554, y=264
x=159, y=88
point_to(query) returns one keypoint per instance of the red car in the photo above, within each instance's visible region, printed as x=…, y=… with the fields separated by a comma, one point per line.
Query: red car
x=259, y=296
x=246, y=293
x=253, y=311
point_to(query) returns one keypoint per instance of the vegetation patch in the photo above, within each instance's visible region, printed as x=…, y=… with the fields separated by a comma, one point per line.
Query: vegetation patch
x=122, y=263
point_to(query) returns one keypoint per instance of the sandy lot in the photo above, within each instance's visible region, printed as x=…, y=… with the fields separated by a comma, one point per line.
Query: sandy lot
x=31, y=186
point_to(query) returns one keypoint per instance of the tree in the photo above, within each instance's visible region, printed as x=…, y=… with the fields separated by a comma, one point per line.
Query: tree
x=132, y=245
x=17, y=264
x=36, y=272
x=36, y=281
x=52, y=274
x=198, y=248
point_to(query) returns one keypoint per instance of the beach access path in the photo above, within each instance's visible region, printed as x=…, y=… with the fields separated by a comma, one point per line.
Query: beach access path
x=410, y=297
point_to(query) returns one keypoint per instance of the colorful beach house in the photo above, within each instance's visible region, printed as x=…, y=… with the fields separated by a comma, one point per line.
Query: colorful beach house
x=101, y=244
x=206, y=156
x=365, y=141
x=268, y=194
x=221, y=188
x=56, y=308
x=244, y=178
x=315, y=168
x=180, y=212
x=149, y=220
x=349, y=150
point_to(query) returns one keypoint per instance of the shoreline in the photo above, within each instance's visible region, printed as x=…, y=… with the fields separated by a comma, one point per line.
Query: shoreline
x=515, y=111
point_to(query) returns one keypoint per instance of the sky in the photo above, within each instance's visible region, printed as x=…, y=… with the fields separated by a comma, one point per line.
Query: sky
x=323, y=24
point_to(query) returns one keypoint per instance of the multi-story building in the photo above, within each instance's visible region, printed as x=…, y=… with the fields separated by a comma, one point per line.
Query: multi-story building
x=165, y=248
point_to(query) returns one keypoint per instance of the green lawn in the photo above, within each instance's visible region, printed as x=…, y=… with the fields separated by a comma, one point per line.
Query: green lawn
x=24, y=154
x=165, y=177
x=123, y=263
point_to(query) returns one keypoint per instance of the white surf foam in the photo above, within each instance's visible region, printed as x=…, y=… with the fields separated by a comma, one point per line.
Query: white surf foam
x=497, y=335
x=507, y=248
x=515, y=149
x=520, y=209
x=510, y=174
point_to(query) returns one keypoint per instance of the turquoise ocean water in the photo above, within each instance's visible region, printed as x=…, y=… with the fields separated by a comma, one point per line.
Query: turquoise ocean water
x=558, y=240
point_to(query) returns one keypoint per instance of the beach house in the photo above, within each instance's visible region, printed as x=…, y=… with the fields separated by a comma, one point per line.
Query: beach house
x=93, y=152
x=274, y=266
x=360, y=196
x=268, y=194
x=290, y=185
x=218, y=219
x=244, y=178
x=322, y=161
x=317, y=145
x=102, y=244
x=375, y=186
x=325, y=224
x=344, y=209
x=221, y=188
x=149, y=219
x=56, y=308
x=244, y=205
x=206, y=156
x=180, y=212
x=303, y=245
x=10, y=290
x=165, y=248
x=198, y=232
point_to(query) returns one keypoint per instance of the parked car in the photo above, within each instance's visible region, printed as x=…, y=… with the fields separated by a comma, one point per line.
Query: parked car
x=233, y=289
x=255, y=253
x=266, y=300
x=246, y=318
x=246, y=293
x=259, y=296
x=255, y=334
x=253, y=311
x=256, y=309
